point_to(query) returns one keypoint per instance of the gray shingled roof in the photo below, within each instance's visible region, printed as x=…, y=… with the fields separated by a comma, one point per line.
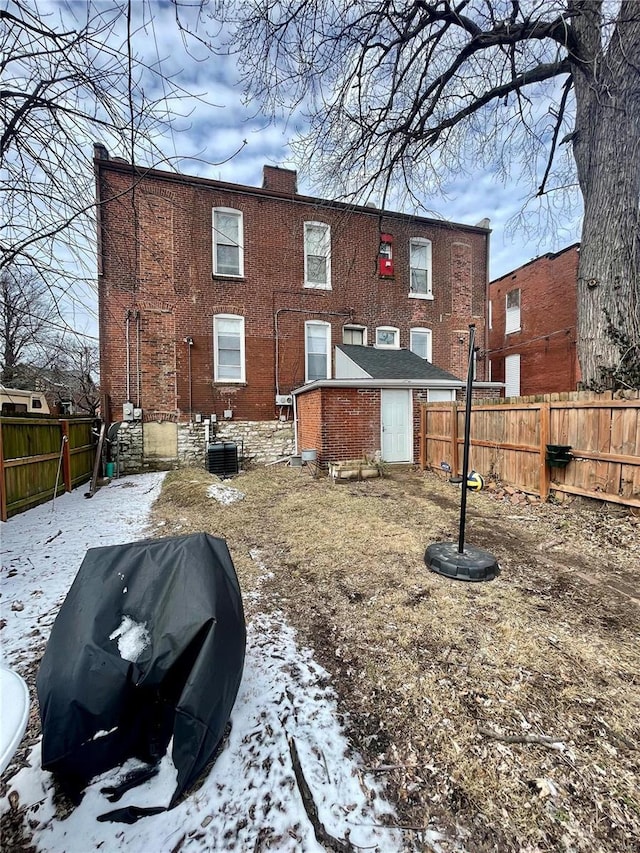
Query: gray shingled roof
x=395, y=364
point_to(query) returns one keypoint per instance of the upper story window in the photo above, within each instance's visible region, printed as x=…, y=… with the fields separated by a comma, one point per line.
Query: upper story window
x=387, y=337
x=420, y=264
x=36, y=403
x=317, y=255
x=228, y=242
x=317, y=350
x=420, y=343
x=228, y=348
x=354, y=335
x=512, y=321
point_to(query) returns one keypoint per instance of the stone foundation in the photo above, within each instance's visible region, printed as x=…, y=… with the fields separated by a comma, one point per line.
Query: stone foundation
x=259, y=442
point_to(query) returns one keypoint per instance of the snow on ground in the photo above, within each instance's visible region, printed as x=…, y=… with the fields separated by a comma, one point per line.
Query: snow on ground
x=225, y=494
x=250, y=799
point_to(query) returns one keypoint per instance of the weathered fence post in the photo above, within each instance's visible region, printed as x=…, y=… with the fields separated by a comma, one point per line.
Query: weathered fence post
x=544, y=440
x=66, y=456
x=3, y=484
x=423, y=437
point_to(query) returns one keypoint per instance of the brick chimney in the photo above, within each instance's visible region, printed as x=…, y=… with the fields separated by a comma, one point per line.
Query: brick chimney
x=280, y=180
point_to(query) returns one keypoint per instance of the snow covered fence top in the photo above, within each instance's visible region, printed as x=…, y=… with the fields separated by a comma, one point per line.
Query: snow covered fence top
x=149, y=645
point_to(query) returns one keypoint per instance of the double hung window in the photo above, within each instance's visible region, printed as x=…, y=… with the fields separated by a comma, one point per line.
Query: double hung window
x=228, y=348
x=512, y=322
x=317, y=347
x=420, y=268
x=228, y=250
x=317, y=255
x=420, y=343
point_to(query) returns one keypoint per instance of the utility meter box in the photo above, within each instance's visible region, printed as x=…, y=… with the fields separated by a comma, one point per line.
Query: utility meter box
x=137, y=414
x=127, y=411
x=284, y=400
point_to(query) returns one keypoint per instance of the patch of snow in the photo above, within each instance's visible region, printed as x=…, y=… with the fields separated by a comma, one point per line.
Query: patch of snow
x=250, y=796
x=225, y=494
x=103, y=733
x=133, y=638
x=250, y=799
x=42, y=550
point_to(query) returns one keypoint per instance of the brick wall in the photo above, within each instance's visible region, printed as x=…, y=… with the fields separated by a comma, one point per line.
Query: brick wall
x=157, y=265
x=546, y=341
x=344, y=423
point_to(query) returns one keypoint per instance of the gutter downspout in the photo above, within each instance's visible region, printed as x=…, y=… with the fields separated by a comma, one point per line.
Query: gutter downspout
x=127, y=318
x=300, y=311
x=138, y=357
x=189, y=342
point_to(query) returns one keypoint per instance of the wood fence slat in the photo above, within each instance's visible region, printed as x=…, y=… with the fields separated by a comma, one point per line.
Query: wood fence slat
x=509, y=439
x=544, y=440
x=3, y=487
x=30, y=454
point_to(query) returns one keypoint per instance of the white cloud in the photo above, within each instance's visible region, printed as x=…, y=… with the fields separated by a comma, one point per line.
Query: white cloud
x=215, y=124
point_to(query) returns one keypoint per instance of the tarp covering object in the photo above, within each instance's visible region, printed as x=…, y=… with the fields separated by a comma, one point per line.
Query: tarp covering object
x=149, y=645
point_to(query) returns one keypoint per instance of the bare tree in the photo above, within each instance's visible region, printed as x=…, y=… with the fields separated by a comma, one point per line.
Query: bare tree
x=26, y=317
x=71, y=381
x=71, y=76
x=414, y=92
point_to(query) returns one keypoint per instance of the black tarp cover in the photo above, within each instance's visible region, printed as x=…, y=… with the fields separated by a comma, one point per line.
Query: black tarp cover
x=185, y=592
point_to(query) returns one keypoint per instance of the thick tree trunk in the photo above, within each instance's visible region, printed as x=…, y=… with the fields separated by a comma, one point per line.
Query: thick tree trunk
x=607, y=153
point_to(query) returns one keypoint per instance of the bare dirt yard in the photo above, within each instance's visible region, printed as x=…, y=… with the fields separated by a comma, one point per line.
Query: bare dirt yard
x=508, y=712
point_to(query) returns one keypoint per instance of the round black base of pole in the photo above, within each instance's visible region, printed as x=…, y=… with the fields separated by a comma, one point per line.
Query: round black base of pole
x=474, y=564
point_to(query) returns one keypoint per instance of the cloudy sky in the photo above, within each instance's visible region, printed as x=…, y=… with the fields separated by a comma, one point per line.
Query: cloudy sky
x=218, y=123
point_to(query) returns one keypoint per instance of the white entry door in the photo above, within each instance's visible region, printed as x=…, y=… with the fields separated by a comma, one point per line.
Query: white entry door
x=395, y=415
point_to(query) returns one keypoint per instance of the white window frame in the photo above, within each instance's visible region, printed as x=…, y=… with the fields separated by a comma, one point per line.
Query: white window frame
x=421, y=330
x=395, y=330
x=352, y=327
x=512, y=315
x=217, y=241
x=309, y=282
x=422, y=242
x=515, y=361
x=490, y=314
x=307, y=353
x=216, y=361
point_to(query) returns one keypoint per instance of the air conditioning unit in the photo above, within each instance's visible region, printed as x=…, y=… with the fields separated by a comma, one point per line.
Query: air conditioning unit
x=284, y=400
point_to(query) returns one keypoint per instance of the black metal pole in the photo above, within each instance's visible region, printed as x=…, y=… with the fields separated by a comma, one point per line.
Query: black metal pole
x=467, y=433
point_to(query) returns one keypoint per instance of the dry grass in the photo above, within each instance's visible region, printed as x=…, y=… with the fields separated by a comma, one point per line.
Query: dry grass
x=437, y=675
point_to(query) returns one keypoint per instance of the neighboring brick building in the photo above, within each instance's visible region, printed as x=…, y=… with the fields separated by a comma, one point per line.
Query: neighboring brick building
x=222, y=299
x=532, y=326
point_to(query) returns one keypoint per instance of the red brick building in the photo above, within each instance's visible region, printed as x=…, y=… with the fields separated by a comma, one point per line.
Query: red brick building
x=222, y=299
x=532, y=326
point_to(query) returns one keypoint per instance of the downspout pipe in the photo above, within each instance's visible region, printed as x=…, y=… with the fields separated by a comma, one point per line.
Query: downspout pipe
x=189, y=342
x=138, y=358
x=127, y=319
x=279, y=311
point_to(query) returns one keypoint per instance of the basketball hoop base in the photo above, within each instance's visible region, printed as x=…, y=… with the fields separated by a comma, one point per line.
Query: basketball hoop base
x=474, y=564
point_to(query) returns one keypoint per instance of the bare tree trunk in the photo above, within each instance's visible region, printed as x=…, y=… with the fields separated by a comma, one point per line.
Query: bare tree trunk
x=606, y=147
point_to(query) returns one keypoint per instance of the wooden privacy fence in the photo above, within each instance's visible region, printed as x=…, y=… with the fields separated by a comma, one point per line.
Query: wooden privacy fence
x=35, y=453
x=509, y=441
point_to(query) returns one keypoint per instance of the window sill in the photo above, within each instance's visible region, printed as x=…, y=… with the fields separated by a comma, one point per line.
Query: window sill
x=221, y=277
x=238, y=383
x=312, y=286
x=512, y=331
x=428, y=296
